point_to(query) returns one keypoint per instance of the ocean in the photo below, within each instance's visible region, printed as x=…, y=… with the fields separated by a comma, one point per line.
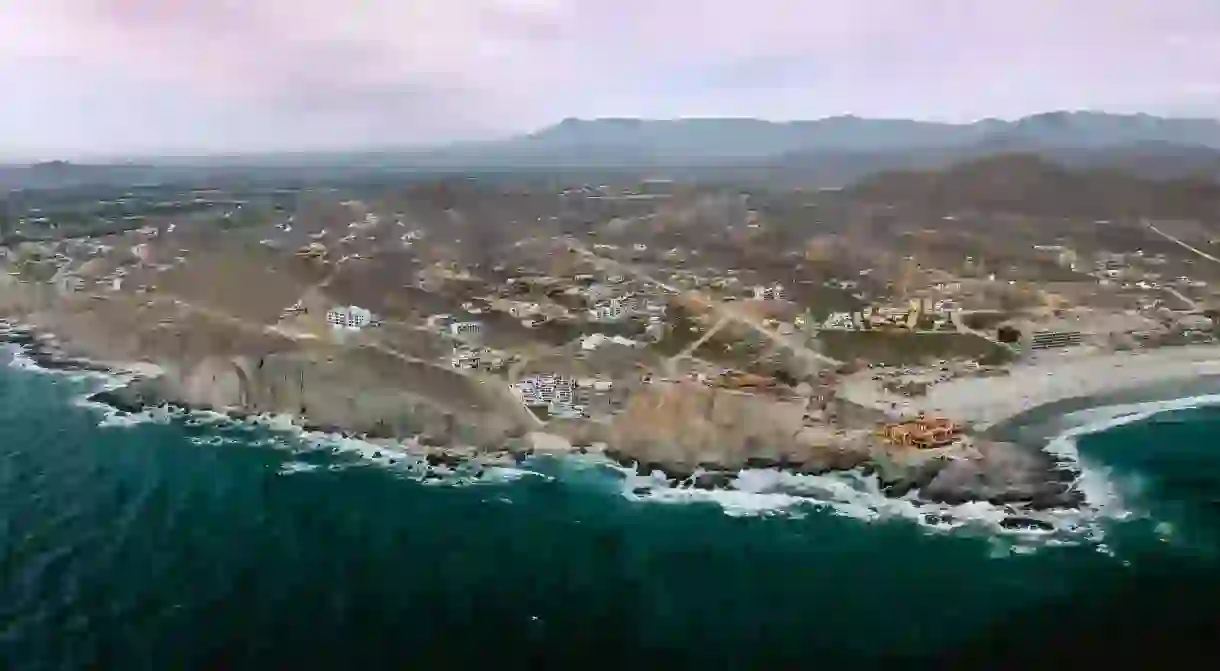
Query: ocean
x=173, y=540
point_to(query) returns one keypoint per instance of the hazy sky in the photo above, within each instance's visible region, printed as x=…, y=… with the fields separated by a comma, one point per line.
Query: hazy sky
x=175, y=76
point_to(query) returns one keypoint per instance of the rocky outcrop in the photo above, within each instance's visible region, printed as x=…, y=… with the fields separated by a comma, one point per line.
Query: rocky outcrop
x=349, y=391
x=1005, y=473
x=682, y=427
x=696, y=434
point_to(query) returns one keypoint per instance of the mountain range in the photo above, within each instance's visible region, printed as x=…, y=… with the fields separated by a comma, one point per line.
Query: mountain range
x=829, y=152
x=842, y=149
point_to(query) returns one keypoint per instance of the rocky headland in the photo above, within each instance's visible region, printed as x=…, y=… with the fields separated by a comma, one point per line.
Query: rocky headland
x=694, y=434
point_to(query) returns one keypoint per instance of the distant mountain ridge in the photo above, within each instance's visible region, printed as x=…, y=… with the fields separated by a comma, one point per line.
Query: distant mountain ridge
x=843, y=148
x=834, y=151
x=747, y=137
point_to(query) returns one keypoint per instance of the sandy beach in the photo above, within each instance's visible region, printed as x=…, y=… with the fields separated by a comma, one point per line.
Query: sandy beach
x=1046, y=378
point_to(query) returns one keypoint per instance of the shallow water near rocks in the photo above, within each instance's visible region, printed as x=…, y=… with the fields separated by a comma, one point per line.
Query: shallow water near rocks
x=179, y=541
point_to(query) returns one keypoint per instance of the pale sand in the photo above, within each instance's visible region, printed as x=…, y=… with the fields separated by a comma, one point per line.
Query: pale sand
x=1050, y=377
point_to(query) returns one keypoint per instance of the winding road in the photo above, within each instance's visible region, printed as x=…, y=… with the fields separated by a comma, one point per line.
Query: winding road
x=797, y=348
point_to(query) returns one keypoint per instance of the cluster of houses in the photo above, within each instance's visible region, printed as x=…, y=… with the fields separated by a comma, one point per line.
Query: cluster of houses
x=349, y=317
x=559, y=395
x=773, y=292
x=474, y=358
x=918, y=313
x=624, y=307
x=614, y=310
x=554, y=392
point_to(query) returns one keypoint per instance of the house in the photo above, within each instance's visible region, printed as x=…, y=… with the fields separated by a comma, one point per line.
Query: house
x=614, y=309
x=464, y=358
x=592, y=342
x=466, y=329
x=840, y=320
x=774, y=292
x=348, y=317
x=553, y=391
x=596, y=340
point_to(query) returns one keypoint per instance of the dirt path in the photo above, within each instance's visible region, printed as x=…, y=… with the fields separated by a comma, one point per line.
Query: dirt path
x=1171, y=238
x=796, y=347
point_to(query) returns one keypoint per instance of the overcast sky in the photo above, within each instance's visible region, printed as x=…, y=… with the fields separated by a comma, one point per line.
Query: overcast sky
x=84, y=77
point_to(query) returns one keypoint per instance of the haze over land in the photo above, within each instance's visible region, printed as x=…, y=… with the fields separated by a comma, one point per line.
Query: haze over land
x=117, y=78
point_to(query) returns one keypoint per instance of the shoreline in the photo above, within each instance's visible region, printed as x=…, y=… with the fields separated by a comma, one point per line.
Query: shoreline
x=1043, y=422
x=1054, y=384
x=1014, y=477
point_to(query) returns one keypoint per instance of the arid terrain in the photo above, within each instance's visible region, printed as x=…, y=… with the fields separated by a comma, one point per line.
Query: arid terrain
x=681, y=326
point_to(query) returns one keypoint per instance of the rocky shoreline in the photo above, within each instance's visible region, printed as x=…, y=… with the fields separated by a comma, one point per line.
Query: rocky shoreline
x=1010, y=474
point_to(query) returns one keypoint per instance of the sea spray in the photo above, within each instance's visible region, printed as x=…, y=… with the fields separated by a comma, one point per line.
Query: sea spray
x=751, y=492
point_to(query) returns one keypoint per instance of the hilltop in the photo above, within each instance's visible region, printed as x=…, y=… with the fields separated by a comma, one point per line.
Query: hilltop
x=1031, y=184
x=843, y=148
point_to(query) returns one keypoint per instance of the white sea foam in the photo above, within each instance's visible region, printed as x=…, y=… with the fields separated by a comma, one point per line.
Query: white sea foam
x=1095, y=481
x=114, y=418
x=851, y=494
x=214, y=440
x=754, y=492
x=291, y=467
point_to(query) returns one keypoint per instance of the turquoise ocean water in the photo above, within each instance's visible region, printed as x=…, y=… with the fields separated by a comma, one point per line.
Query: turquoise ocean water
x=172, y=541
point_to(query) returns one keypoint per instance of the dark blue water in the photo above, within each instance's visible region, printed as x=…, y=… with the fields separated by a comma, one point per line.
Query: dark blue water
x=167, y=545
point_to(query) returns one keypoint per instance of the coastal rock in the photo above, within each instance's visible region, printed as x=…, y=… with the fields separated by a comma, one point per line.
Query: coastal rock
x=1001, y=473
x=339, y=394
x=1026, y=524
x=713, y=480
x=906, y=478
x=676, y=427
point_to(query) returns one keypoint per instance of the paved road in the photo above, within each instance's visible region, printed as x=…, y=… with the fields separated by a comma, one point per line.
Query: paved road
x=791, y=344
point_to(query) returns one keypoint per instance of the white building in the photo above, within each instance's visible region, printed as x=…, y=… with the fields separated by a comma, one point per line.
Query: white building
x=553, y=391
x=840, y=320
x=606, y=312
x=592, y=342
x=348, y=317
x=774, y=292
x=465, y=358
x=615, y=309
x=465, y=329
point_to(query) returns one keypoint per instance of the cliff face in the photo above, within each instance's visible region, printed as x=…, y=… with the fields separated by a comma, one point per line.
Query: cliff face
x=351, y=391
x=679, y=427
x=211, y=365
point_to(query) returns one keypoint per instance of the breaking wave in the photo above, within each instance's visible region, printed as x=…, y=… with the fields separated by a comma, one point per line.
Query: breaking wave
x=750, y=493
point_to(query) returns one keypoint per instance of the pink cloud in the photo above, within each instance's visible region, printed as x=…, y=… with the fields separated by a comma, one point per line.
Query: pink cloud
x=424, y=69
